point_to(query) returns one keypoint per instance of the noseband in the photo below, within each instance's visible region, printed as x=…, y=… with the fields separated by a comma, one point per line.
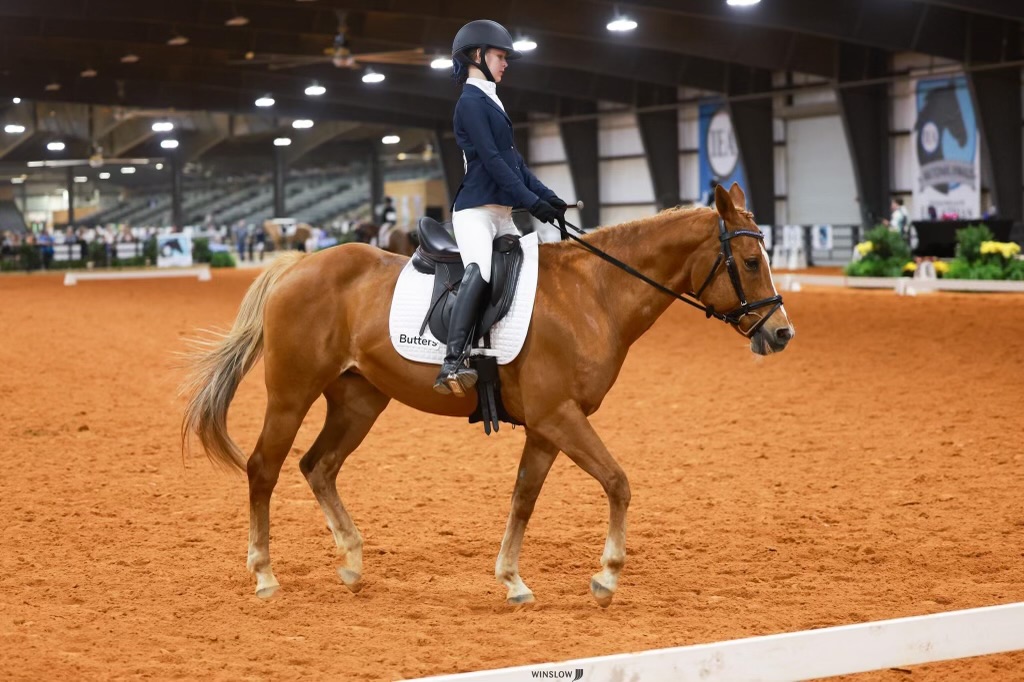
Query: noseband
x=745, y=308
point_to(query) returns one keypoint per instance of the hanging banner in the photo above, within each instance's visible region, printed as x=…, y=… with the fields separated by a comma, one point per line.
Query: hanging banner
x=718, y=151
x=173, y=250
x=947, y=165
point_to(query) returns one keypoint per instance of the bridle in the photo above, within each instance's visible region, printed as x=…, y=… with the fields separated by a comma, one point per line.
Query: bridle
x=745, y=308
x=725, y=255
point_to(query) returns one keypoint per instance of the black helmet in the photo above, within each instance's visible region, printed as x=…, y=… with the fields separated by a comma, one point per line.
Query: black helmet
x=483, y=33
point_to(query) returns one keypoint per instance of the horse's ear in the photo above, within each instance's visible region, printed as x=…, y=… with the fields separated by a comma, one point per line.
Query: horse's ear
x=723, y=201
x=739, y=199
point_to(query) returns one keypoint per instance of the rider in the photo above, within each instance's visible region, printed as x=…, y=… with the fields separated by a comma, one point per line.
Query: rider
x=497, y=180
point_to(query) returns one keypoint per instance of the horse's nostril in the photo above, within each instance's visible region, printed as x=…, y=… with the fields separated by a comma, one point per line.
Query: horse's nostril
x=784, y=333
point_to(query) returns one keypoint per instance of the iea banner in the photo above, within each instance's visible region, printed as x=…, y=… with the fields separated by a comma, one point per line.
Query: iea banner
x=719, y=153
x=946, y=160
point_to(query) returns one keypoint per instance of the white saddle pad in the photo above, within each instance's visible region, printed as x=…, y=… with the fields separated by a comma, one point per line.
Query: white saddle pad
x=412, y=298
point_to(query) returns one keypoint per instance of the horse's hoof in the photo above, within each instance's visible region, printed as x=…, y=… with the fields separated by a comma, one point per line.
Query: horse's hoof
x=267, y=591
x=351, y=579
x=601, y=593
x=520, y=599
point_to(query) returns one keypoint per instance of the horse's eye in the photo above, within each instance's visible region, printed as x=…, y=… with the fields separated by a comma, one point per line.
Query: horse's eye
x=752, y=263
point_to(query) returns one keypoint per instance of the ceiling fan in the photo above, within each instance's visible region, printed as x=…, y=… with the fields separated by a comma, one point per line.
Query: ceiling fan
x=339, y=54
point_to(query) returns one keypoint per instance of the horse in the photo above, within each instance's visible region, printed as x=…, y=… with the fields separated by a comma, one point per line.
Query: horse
x=337, y=344
x=393, y=239
x=296, y=239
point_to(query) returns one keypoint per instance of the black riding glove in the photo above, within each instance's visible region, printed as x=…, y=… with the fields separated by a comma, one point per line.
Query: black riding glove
x=544, y=212
x=558, y=204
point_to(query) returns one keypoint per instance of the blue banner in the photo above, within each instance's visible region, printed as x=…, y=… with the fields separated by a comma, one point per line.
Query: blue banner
x=946, y=154
x=719, y=154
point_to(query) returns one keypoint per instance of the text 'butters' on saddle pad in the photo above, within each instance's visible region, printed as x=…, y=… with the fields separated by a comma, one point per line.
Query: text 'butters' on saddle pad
x=412, y=299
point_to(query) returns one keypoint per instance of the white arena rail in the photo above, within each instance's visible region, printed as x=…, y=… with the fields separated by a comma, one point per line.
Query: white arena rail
x=74, y=277
x=905, y=286
x=810, y=654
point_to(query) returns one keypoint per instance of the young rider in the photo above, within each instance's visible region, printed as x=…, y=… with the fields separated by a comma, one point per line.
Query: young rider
x=497, y=180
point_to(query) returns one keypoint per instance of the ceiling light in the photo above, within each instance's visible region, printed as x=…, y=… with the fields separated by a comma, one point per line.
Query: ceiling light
x=441, y=63
x=14, y=128
x=391, y=139
x=621, y=24
x=402, y=156
x=88, y=73
x=163, y=127
x=16, y=100
x=524, y=45
x=127, y=170
x=81, y=178
x=237, y=20
x=104, y=175
x=741, y=3
x=302, y=123
x=178, y=41
x=169, y=144
x=129, y=58
x=55, y=146
x=18, y=180
x=315, y=90
x=265, y=101
x=372, y=76
x=159, y=166
x=282, y=141
x=36, y=164
x=52, y=87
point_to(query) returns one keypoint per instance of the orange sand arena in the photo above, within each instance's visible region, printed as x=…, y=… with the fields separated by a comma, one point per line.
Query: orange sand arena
x=873, y=470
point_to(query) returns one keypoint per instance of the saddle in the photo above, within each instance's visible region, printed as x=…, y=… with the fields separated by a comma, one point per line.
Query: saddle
x=438, y=255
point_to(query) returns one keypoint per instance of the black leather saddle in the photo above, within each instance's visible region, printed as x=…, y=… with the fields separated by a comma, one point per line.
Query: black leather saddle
x=438, y=255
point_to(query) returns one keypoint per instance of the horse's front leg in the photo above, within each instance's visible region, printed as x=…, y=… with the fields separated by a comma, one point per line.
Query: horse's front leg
x=569, y=430
x=538, y=456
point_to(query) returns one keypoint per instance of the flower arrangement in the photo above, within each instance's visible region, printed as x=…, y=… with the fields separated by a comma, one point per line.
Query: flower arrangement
x=979, y=256
x=882, y=254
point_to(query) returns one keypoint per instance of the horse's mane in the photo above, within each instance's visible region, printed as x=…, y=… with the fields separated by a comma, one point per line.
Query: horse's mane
x=623, y=230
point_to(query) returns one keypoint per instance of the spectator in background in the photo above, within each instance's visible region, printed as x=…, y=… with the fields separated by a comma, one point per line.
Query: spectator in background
x=899, y=220
x=241, y=235
x=258, y=241
x=388, y=214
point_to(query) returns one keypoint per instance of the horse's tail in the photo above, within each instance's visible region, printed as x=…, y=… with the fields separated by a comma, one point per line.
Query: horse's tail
x=217, y=366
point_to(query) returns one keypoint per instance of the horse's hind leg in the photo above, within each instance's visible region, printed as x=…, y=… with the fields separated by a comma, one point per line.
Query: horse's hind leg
x=281, y=423
x=353, y=405
x=538, y=456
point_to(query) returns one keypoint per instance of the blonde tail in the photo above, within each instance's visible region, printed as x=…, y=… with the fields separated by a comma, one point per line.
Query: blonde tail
x=217, y=366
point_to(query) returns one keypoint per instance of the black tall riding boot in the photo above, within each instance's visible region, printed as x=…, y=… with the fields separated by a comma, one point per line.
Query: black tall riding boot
x=455, y=377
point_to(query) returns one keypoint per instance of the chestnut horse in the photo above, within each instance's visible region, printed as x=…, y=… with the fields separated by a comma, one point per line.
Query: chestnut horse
x=296, y=240
x=337, y=344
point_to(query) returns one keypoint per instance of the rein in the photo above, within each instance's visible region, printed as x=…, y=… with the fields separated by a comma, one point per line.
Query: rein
x=690, y=298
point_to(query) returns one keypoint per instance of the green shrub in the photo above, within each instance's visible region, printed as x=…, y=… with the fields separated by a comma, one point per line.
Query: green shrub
x=969, y=242
x=201, y=250
x=888, y=244
x=30, y=258
x=987, y=271
x=222, y=259
x=149, y=251
x=1015, y=270
x=959, y=269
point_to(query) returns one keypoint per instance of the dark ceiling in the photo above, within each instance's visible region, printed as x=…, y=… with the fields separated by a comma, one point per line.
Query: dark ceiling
x=699, y=43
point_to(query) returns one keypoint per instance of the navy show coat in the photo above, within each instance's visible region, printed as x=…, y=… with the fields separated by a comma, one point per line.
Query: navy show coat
x=495, y=171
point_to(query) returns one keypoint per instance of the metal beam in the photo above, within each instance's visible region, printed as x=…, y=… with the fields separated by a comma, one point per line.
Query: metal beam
x=307, y=140
x=19, y=114
x=659, y=132
x=865, y=116
x=581, y=151
x=1006, y=9
x=752, y=123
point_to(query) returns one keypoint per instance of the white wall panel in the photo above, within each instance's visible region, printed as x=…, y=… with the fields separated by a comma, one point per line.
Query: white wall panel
x=689, y=177
x=618, y=135
x=780, y=171
x=558, y=178
x=546, y=143
x=820, y=173
x=613, y=215
x=626, y=181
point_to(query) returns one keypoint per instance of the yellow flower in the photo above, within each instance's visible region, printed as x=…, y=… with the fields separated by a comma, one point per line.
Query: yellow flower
x=864, y=248
x=1005, y=249
x=941, y=267
x=910, y=267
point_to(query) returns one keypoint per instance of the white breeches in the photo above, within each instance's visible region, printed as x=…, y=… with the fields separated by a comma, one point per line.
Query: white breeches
x=475, y=231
